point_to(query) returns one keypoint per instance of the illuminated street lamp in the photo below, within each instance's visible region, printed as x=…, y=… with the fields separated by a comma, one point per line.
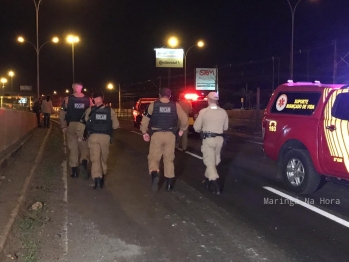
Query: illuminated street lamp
x=110, y=86
x=67, y=91
x=173, y=41
x=37, y=49
x=55, y=92
x=293, y=10
x=3, y=81
x=11, y=74
x=198, y=44
x=72, y=39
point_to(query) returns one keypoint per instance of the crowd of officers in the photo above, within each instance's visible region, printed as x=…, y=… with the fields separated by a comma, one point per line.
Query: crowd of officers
x=89, y=126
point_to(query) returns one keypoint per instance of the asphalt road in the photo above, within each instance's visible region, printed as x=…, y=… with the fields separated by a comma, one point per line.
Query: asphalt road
x=250, y=221
x=247, y=223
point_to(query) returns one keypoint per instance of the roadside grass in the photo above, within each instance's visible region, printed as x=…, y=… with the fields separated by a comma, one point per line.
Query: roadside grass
x=32, y=220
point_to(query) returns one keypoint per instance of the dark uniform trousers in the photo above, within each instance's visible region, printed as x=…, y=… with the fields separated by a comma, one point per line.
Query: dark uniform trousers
x=162, y=144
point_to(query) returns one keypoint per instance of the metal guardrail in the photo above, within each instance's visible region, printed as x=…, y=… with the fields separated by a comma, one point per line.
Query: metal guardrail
x=123, y=112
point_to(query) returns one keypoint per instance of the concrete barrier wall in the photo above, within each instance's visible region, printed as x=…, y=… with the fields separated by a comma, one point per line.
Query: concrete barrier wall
x=14, y=125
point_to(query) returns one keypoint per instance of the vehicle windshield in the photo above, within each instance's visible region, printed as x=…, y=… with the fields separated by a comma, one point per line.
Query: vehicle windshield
x=144, y=106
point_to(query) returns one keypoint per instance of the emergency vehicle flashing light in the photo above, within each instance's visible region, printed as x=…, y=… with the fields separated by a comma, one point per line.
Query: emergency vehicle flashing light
x=190, y=96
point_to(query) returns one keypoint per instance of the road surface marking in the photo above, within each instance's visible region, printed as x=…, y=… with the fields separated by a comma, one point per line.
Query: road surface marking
x=194, y=155
x=187, y=152
x=65, y=198
x=310, y=207
x=255, y=142
x=14, y=212
x=136, y=133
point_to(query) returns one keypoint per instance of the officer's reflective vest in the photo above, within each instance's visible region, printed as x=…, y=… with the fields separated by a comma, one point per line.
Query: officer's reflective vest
x=100, y=121
x=76, y=108
x=164, y=115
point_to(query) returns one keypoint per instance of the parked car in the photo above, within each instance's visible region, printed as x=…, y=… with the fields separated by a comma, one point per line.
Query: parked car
x=306, y=131
x=139, y=108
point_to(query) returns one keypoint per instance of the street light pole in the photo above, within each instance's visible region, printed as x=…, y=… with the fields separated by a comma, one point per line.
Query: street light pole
x=72, y=39
x=37, y=7
x=73, y=55
x=11, y=74
x=37, y=49
x=199, y=44
x=293, y=10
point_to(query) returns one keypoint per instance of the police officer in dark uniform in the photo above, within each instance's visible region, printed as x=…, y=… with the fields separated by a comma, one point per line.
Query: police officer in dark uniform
x=100, y=121
x=73, y=107
x=160, y=120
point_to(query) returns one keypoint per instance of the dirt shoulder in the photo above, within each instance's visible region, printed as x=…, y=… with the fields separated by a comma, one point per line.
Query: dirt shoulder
x=37, y=233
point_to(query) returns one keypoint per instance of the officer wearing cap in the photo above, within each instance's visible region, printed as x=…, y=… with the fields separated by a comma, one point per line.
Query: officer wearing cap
x=160, y=120
x=73, y=107
x=211, y=123
x=100, y=121
x=188, y=109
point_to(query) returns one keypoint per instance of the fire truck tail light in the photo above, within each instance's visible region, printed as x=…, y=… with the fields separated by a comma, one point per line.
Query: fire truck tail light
x=191, y=96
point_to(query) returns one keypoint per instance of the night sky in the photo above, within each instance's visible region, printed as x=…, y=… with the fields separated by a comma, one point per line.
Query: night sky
x=118, y=38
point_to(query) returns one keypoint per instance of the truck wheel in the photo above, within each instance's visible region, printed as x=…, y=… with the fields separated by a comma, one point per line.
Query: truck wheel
x=299, y=173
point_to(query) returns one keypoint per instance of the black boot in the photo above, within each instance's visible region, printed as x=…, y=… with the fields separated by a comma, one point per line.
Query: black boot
x=74, y=172
x=98, y=183
x=217, y=189
x=83, y=169
x=169, y=184
x=154, y=181
x=207, y=184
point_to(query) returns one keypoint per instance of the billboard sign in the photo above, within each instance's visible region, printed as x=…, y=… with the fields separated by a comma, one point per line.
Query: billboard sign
x=206, y=78
x=25, y=88
x=169, y=57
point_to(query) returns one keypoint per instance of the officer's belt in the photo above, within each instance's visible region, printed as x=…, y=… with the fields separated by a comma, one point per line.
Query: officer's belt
x=171, y=129
x=208, y=134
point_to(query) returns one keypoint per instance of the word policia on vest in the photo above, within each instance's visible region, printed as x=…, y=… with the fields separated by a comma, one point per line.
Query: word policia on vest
x=101, y=117
x=163, y=109
x=79, y=106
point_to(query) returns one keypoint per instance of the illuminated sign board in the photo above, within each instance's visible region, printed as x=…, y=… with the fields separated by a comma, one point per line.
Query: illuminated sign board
x=168, y=57
x=206, y=78
x=25, y=88
x=23, y=100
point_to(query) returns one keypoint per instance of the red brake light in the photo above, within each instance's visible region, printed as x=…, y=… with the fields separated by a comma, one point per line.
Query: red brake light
x=191, y=96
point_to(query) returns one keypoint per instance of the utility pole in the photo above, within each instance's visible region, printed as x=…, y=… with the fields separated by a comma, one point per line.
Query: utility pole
x=335, y=64
x=273, y=87
x=159, y=82
x=119, y=100
x=257, y=108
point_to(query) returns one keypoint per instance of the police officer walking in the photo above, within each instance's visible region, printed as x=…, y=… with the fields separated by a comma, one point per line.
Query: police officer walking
x=73, y=107
x=211, y=123
x=160, y=120
x=188, y=109
x=100, y=121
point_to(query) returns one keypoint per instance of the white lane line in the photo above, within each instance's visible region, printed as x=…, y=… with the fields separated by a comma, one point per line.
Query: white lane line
x=194, y=155
x=310, y=207
x=65, y=198
x=14, y=212
x=136, y=133
x=255, y=142
x=65, y=225
x=187, y=152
